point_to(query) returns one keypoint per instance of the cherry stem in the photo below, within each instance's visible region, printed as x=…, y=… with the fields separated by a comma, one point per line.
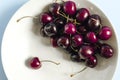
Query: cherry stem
x=68, y=18
x=78, y=72
x=63, y=15
x=50, y=62
x=26, y=17
x=74, y=49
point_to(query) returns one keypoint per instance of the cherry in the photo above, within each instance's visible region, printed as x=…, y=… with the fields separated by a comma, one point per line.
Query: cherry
x=70, y=28
x=94, y=22
x=105, y=33
x=35, y=63
x=69, y=8
x=77, y=40
x=91, y=37
x=91, y=61
x=63, y=42
x=45, y=18
x=60, y=22
x=82, y=15
x=50, y=29
x=81, y=29
x=55, y=8
x=86, y=51
x=106, y=51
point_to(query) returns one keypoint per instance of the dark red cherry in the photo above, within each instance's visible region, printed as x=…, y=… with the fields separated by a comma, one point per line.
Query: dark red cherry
x=63, y=42
x=69, y=7
x=82, y=14
x=105, y=33
x=81, y=29
x=46, y=18
x=77, y=40
x=50, y=29
x=60, y=22
x=70, y=28
x=86, y=51
x=94, y=22
x=91, y=61
x=106, y=51
x=55, y=8
x=35, y=63
x=91, y=37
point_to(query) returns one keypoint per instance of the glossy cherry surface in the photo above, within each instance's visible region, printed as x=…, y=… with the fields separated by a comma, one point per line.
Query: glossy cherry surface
x=69, y=7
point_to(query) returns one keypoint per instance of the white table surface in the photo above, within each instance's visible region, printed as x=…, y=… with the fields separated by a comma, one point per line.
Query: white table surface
x=110, y=7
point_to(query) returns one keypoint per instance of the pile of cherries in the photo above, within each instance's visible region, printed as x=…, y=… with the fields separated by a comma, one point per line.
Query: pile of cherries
x=77, y=31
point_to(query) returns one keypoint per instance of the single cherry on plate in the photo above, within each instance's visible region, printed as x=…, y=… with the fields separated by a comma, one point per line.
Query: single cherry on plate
x=35, y=63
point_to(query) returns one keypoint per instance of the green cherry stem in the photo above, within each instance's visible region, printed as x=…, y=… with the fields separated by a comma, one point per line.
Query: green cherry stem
x=68, y=18
x=78, y=72
x=26, y=17
x=50, y=61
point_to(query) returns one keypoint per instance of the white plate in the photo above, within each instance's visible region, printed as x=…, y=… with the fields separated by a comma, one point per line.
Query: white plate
x=22, y=41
